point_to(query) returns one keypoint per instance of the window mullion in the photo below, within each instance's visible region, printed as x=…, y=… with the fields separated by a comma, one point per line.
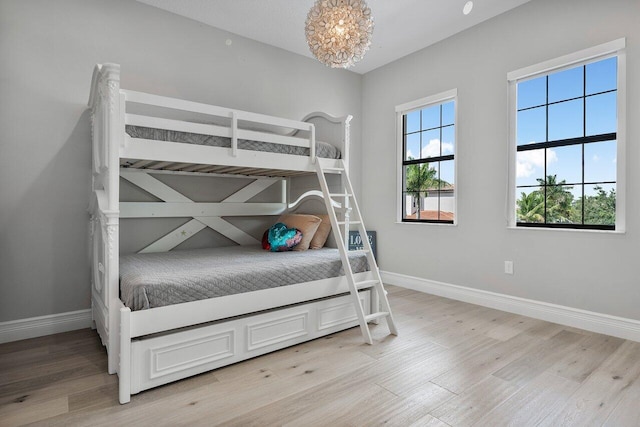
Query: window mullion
x=560, y=205
x=418, y=176
x=546, y=138
x=584, y=134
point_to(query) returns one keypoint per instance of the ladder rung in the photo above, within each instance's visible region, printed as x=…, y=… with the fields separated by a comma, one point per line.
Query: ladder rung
x=333, y=169
x=366, y=284
x=340, y=195
x=349, y=222
x=342, y=210
x=374, y=316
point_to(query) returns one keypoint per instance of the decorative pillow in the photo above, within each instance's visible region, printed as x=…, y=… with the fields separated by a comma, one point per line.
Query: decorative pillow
x=279, y=238
x=320, y=238
x=308, y=224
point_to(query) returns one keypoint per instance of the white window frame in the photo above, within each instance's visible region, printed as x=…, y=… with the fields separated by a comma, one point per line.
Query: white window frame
x=610, y=49
x=419, y=104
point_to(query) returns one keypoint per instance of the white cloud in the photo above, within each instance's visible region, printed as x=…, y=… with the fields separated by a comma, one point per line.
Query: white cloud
x=432, y=149
x=447, y=148
x=528, y=162
x=595, y=158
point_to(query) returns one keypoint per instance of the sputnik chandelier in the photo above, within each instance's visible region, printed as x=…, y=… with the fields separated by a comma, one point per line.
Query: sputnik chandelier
x=339, y=31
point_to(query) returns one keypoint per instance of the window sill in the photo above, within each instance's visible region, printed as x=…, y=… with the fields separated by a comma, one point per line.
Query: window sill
x=439, y=224
x=572, y=230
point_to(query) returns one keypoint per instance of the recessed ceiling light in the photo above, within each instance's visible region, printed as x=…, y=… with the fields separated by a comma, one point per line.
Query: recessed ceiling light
x=467, y=7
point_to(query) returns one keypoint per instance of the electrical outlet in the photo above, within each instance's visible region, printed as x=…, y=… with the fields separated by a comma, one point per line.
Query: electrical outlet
x=508, y=267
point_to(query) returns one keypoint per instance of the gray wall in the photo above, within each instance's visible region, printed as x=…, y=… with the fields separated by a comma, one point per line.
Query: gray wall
x=586, y=270
x=47, y=53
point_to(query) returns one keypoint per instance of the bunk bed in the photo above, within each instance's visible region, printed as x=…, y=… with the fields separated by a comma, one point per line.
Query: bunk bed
x=136, y=135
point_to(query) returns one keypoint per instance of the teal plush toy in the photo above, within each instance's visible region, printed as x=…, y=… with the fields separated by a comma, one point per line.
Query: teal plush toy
x=279, y=238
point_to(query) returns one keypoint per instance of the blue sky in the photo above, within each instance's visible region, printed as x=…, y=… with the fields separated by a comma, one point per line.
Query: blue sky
x=567, y=119
x=427, y=143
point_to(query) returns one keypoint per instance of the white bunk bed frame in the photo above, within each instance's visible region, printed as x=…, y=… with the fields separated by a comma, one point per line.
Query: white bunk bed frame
x=151, y=347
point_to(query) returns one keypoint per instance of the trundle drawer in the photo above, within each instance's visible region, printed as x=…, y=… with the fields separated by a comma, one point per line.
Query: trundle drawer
x=162, y=359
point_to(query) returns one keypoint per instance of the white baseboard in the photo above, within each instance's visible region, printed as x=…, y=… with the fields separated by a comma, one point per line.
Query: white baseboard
x=588, y=320
x=15, y=330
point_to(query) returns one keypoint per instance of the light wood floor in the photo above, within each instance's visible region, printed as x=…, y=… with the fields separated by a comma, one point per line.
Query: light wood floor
x=454, y=364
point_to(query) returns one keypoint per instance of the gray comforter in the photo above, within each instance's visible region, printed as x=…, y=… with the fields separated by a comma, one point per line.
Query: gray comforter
x=160, y=279
x=323, y=149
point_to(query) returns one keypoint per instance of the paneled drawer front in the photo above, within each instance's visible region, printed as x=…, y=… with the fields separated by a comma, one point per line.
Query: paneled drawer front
x=339, y=313
x=191, y=353
x=284, y=328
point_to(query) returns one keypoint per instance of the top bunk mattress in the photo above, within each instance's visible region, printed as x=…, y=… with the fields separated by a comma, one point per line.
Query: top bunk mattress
x=166, y=278
x=323, y=149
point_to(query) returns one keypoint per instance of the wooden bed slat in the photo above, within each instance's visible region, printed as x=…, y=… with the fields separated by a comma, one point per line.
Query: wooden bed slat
x=207, y=169
x=177, y=166
x=159, y=165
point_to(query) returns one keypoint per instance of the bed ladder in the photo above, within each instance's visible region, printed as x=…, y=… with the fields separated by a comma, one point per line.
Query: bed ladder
x=349, y=206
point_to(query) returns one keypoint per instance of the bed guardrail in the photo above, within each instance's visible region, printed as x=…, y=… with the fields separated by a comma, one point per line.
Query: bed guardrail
x=234, y=117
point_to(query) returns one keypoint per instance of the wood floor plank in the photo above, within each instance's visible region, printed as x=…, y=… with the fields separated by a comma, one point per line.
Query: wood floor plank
x=27, y=386
x=546, y=330
x=530, y=365
x=468, y=407
x=48, y=391
x=483, y=364
x=63, y=339
x=98, y=397
x=627, y=411
x=452, y=364
x=355, y=415
x=513, y=326
x=335, y=409
x=532, y=403
x=601, y=392
x=412, y=376
x=429, y=421
x=459, y=327
x=401, y=411
x=50, y=367
x=13, y=416
x=296, y=405
x=581, y=361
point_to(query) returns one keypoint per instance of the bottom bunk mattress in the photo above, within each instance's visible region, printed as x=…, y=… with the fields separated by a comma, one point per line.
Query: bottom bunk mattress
x=166, y=278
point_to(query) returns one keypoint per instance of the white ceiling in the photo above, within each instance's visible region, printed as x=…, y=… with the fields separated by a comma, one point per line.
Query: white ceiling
x=401, y=26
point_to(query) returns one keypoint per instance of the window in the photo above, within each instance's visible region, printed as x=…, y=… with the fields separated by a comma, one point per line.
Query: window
x=426, y=147
x=567, y=144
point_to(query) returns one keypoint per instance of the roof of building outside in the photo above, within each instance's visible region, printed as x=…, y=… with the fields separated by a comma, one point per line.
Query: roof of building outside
x=433, y=216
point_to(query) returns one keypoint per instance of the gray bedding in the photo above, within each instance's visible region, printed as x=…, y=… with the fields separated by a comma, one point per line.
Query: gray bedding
x=323, y=149
x=160, y=279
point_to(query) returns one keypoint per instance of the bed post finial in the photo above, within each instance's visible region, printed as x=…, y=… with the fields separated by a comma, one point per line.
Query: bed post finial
x=346, y=126
x=108, y=130
x=102, y=74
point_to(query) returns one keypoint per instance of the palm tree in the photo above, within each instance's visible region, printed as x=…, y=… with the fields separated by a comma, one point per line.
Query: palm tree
x=559, y=199
x=421, y=178
x=531, y=207
x=551, y=203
